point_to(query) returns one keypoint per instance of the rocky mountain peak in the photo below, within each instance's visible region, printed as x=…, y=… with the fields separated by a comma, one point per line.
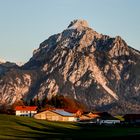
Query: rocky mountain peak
x=119, y=47
x=78, y=23
x=97, y=70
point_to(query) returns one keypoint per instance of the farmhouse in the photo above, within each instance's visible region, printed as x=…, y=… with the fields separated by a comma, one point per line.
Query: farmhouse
x=28, y=111
x=102, y=118
x=132, y=118
x=56, y=115
x=106, y=118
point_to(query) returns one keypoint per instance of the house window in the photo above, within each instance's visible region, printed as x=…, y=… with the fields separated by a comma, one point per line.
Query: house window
x=22, y=111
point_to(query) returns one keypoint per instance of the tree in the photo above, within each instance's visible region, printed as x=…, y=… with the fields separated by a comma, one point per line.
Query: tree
x=67, y=103
x=18, y=103
x=3, y=109
x=32, y=103
x=44, y=102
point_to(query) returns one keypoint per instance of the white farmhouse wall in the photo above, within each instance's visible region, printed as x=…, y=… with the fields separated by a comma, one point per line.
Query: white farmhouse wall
x=72, y=119
x=25, y=113
x=109, y=121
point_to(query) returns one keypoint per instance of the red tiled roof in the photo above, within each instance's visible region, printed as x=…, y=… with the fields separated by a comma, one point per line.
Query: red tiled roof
x=26, y=108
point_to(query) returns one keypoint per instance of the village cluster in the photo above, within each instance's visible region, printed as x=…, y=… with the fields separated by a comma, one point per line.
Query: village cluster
x=87, y=117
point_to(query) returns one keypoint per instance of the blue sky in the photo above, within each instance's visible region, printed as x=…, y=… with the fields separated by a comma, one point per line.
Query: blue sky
x=24, y=24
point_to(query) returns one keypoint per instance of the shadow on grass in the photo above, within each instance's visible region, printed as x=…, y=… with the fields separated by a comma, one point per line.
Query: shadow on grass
x=61, y=132
x=42, y=131
x=48, y=130
x=111, y=132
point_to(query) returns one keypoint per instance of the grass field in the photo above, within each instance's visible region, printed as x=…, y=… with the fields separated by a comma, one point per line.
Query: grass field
x=13, y=127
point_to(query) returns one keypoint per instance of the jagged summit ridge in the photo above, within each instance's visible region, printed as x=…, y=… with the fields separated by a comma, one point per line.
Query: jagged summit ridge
x=78, y=23
x=80, y=32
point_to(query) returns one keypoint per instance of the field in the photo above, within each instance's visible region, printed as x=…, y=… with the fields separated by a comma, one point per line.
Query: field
x=13, y=127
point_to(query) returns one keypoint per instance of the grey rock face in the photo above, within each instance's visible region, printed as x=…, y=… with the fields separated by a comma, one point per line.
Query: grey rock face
x=6, y=66
x=99, y=71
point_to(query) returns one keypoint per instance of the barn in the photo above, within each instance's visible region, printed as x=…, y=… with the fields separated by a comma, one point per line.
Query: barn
x=56, y=115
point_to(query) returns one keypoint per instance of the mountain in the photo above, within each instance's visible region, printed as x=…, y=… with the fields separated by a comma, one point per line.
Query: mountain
x=97, y=70
x=6, y=66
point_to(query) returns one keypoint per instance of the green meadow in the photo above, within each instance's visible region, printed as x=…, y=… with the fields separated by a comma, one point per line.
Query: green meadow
x=14, y=127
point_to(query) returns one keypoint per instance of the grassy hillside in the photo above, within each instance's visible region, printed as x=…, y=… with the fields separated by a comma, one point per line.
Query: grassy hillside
x=13, y=127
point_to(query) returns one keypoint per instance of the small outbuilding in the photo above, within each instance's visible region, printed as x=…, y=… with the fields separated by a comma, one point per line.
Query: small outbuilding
x=106, y=118
x=56, y=115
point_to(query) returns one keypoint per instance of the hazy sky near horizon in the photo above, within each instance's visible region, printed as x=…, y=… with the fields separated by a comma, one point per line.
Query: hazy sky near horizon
x=24, y=24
